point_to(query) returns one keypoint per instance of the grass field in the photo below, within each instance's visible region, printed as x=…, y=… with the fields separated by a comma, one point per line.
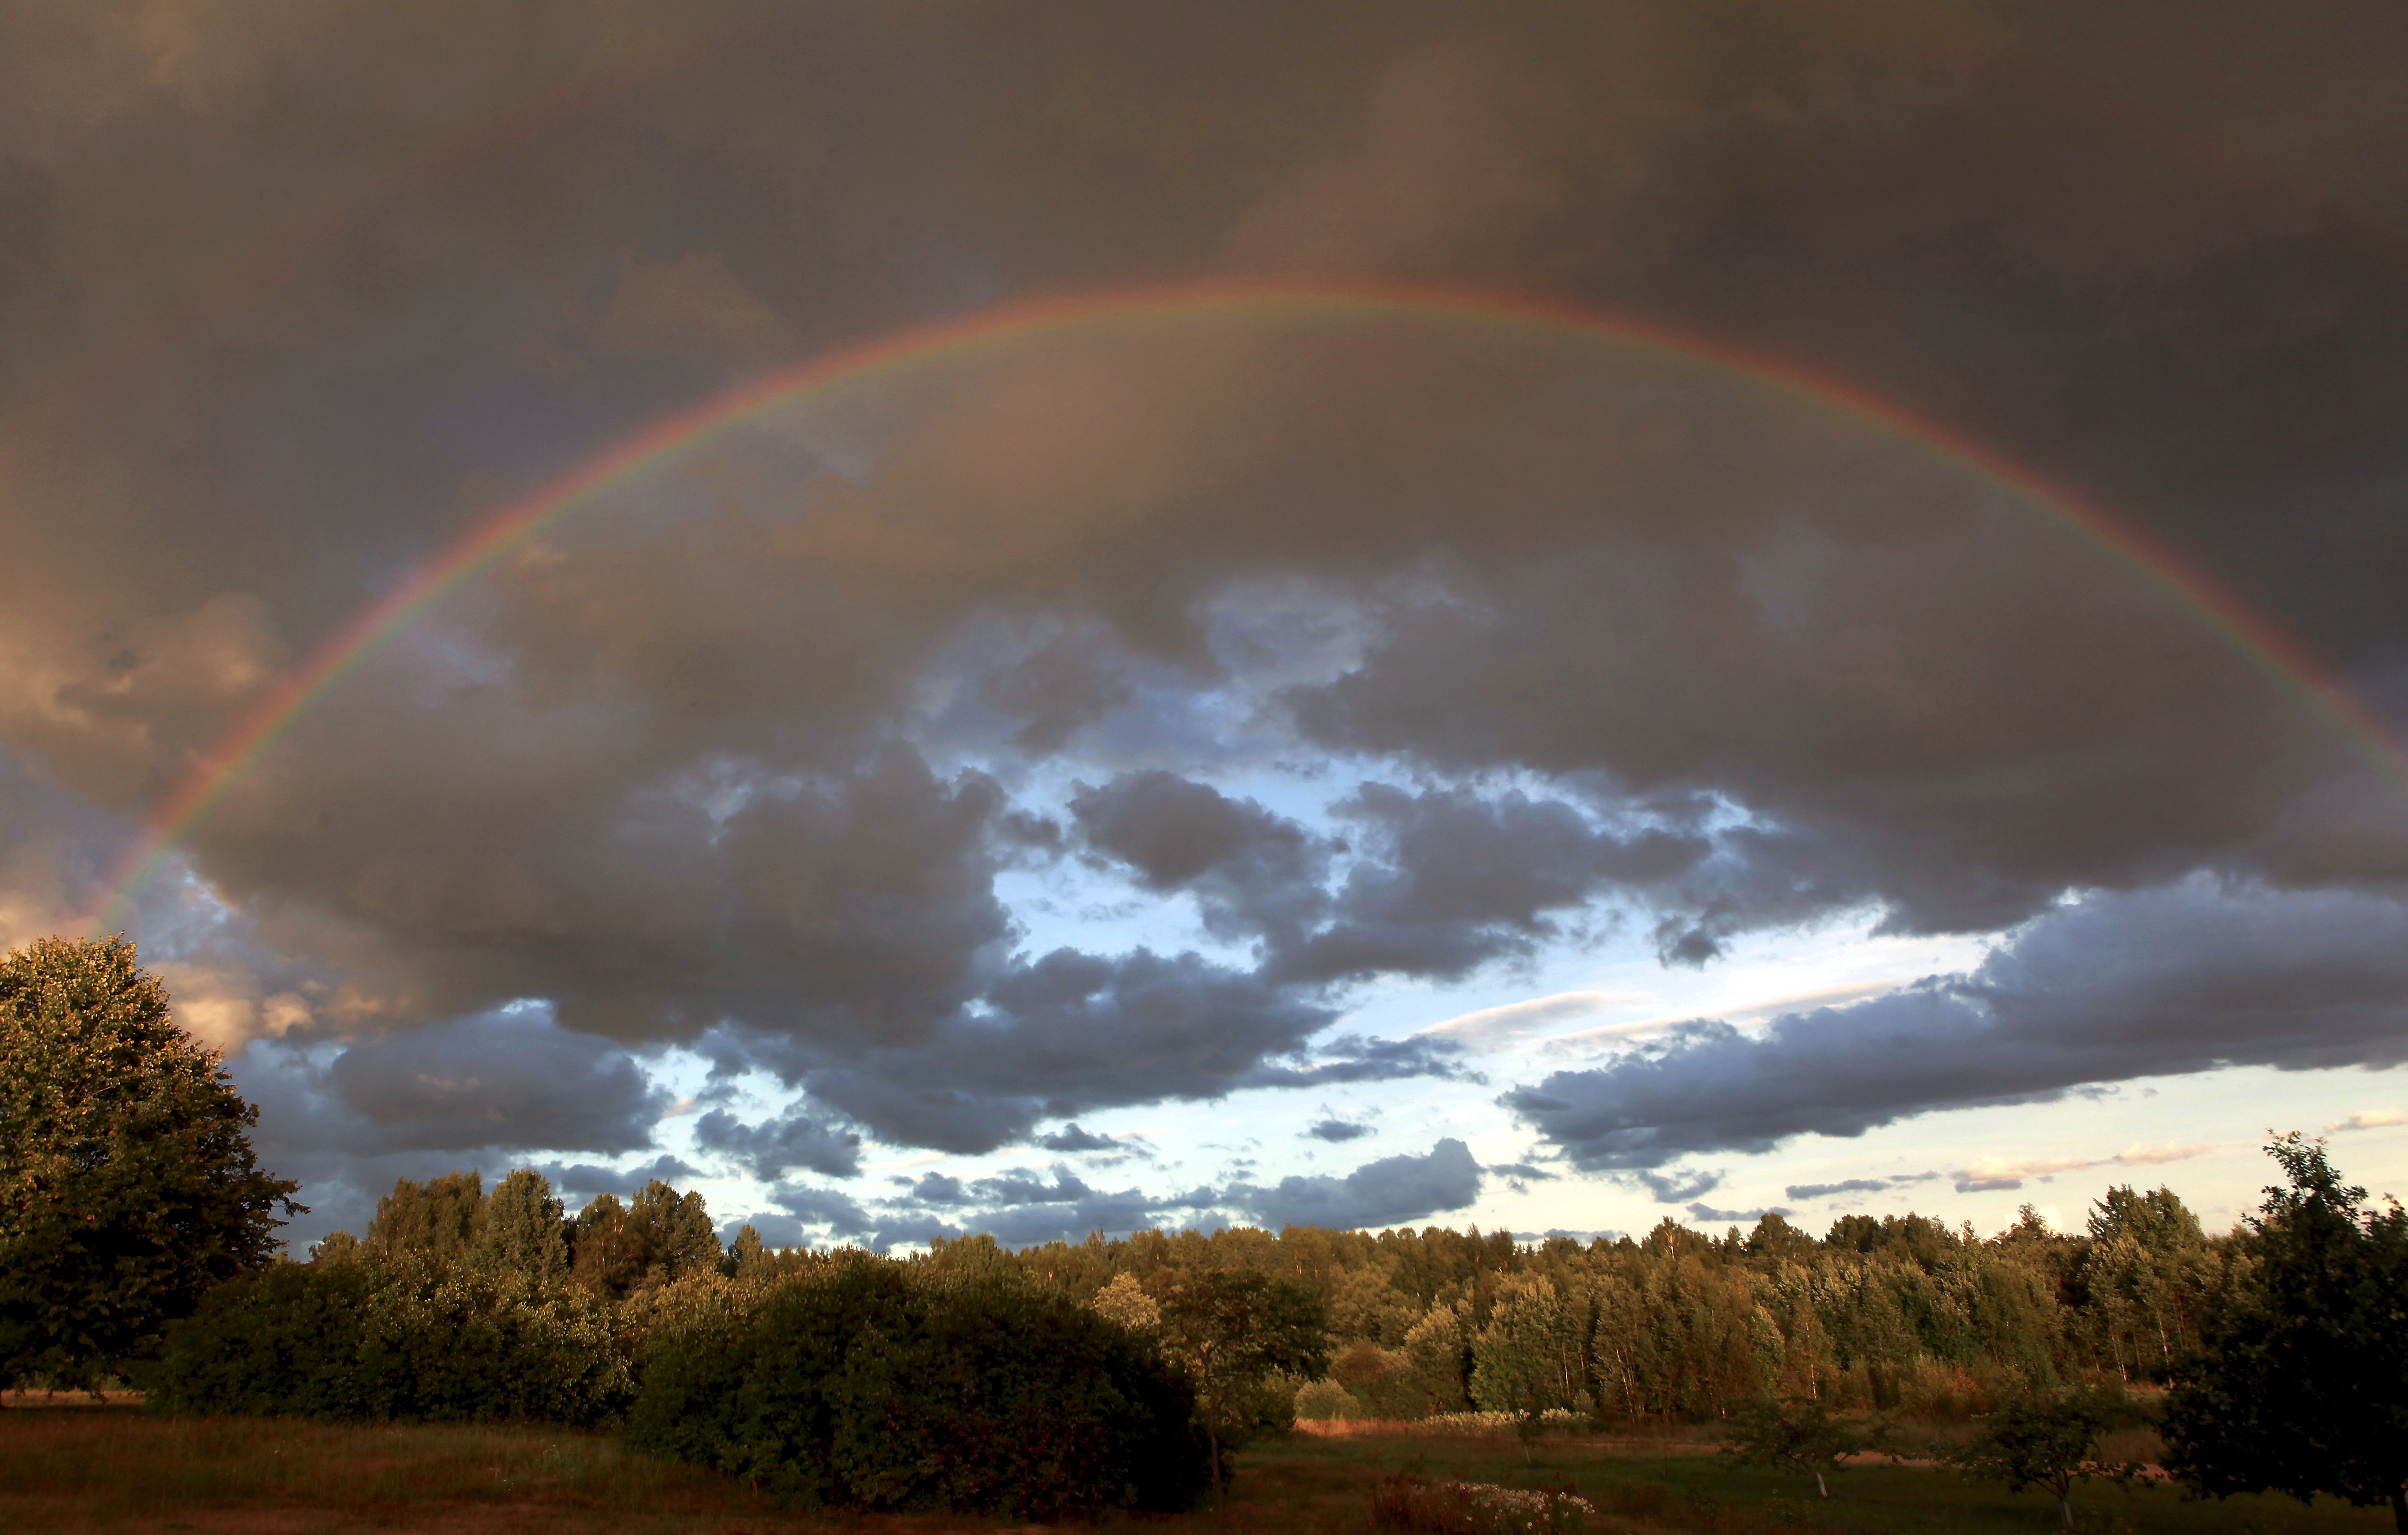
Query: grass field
x=118, y=1470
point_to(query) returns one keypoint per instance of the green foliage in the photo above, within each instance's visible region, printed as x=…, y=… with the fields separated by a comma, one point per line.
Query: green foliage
x=407, y=1339
x=440, y=1220
x=522, y=1231
x=867, y=1384
x=1317, y=1401
x=661, y=1234
x=2303, y=1385
x=2047, y=1441
x=127, y=1183
x=1530, y=1355
x=1233, y=1329
x=1801, y=1435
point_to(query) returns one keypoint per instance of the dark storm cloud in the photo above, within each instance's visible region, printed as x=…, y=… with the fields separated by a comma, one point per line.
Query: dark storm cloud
x=1254, y=873
x=500, y=1080
x=287, y=302
x=1463, y=881
x=1392, y=1191
x=1073, y=1032
x=791, y=1141
x=2162, y=981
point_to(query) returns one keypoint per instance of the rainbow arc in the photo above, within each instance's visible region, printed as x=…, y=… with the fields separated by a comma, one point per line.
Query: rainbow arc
x=2247, y=632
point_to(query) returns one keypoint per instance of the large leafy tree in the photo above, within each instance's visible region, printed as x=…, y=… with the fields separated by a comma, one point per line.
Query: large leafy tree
x=1231, y=1330
x=2302, y=1386
x=127, y=1181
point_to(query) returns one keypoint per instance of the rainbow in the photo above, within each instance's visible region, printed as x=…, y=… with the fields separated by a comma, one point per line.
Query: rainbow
x=2246, y=631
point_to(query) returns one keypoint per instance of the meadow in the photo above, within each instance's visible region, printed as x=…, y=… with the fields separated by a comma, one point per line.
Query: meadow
x=118, y=1470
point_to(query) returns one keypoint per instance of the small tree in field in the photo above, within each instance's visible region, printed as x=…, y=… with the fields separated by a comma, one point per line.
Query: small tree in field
x=2041, y=1441
x=127, y=1183
x=1232, y=1330
x=2303, y=1385
x=1799, y=1435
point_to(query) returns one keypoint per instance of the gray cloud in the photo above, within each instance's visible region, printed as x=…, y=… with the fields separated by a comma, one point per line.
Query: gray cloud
x=1334, y=1129
x=2152, y=983
x=669, y=767
x=1355, y=1057
x=1469, y=880
x=1392, y=1191
x=792, y=1141
x=1254, y=873
x=1845, y=1185
x=1068, y=1032
x=839, y=1212
x=572, y=1178
x=1708, y=1212
x=1069, y=1138
x=499, y=1079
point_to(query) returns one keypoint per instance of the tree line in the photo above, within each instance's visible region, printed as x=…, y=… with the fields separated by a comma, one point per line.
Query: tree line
x=137, y=1238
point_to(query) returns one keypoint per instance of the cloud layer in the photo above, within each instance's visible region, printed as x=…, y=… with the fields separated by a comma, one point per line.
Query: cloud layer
x=2176, y=979
x=1097, y=720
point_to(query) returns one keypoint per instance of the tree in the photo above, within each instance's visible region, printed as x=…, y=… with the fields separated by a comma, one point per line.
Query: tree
x=1531, y=1355
x=1232, y=1330
x=128, y=1186
x=2041, y=1441
x=675, y=1232
x=1125, y=1300
x=442, y=1219
x=2303, y=1385
x=522, y=1231
x=619, y=1248
x=1798, y=1435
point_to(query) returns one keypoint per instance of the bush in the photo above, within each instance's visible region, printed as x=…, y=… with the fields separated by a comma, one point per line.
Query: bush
x=1476, y=1508
x=411, y=1341
x=867, y=1386
x=1319, y=1399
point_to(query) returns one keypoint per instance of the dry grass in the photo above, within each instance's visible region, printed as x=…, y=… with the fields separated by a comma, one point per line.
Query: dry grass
x=74, y=1469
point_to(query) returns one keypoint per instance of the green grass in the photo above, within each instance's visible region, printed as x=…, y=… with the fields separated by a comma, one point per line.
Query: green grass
x=1676, y=1486
x=119, y=1471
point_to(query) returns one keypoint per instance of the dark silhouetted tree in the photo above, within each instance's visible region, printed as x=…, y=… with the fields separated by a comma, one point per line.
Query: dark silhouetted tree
x=127, y=1183
x=2303, y=1384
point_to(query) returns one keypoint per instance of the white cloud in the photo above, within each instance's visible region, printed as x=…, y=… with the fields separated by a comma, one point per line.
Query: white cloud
x=2140, y=1156
x=1489, y=1027
x=1743, y=1012
x=2368, y=1119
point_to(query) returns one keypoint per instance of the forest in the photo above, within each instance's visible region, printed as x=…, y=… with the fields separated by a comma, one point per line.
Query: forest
x=1894, y=1312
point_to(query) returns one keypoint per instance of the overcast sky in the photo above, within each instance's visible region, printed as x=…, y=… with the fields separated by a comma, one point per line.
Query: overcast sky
x=1248, y=762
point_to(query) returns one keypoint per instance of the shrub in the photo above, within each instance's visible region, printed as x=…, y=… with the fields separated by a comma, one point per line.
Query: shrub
x=867, y=1386
x=406, y=1341
x=1476, y=1508
x=1319, y=1399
